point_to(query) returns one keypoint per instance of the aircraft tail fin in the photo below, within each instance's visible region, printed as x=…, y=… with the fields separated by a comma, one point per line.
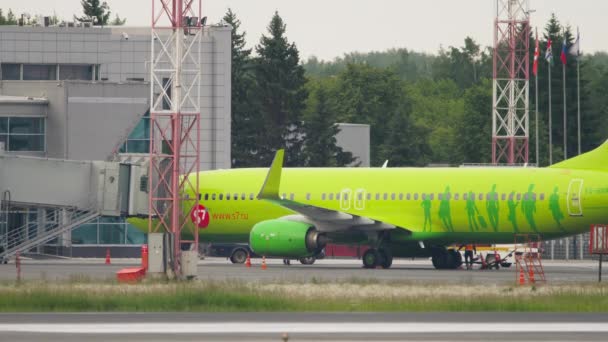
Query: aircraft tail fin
x=596, y=159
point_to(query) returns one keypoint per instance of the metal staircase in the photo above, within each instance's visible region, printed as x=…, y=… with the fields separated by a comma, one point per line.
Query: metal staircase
x=32, y=234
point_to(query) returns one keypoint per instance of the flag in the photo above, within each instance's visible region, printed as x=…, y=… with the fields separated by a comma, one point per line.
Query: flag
x=549, y=53
x=575, y=49
x=564, y=54
x=536, y=55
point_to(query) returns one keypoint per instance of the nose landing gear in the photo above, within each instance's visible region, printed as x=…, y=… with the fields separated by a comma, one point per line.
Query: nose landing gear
x=373, y=258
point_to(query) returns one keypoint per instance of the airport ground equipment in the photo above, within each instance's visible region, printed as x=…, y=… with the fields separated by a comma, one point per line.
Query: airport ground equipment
x=528, y=258
x=72, y=193
x=598, y=244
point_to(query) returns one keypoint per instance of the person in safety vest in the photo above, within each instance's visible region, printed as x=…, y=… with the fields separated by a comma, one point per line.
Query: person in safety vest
x=469, y=253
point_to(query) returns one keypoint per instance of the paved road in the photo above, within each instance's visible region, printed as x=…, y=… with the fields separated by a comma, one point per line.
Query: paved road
x=325, y=270
x=303, y=327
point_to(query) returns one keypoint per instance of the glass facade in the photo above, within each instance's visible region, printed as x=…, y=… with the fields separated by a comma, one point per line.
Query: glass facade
x=25, y=134
x=139, y=140
x=49, y=72
x=108, y=231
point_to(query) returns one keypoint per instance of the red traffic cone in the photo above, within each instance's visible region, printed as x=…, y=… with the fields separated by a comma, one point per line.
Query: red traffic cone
x=522, y=277
x=531, y=275
x=108, y=256
x=248, y=262
x=264, y=263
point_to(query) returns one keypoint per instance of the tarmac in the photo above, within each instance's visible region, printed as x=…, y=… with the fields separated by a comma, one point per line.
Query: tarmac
x=303, y=327
x=419, y=270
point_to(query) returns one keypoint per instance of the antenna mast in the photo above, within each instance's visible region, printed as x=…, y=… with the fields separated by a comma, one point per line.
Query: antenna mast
x=510, y=98
x=175, y=82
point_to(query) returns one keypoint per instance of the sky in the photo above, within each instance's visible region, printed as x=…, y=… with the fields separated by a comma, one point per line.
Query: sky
x=331, y=28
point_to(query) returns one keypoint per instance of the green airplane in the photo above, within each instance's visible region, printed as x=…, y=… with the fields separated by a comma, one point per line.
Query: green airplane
x=398, y=212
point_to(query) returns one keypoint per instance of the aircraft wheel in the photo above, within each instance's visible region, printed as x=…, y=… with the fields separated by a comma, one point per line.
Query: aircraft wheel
x=239, y=256
x=454, y=259
x=386, y=258
x=371, y=258
x=308, y=260
x=440, y=258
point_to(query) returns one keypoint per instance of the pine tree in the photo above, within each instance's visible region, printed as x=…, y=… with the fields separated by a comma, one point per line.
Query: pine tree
x=10, y=18
x=2, y=18
x=118, y=21
x=320, y=131
x=96, y=10
x=281, y=94
x=245, y=122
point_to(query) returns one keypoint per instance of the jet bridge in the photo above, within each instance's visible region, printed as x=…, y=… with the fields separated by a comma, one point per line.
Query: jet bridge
x=78, y=191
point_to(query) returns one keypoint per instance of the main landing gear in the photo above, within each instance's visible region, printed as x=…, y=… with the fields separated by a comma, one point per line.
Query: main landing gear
x=377, y=257
x=446, y=259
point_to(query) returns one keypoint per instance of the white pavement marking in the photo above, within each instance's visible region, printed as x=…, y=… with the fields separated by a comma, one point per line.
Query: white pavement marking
x=303, y=328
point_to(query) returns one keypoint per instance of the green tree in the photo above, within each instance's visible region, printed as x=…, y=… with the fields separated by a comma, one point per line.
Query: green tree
x=10, y=18
x=475, y=129
x=281, y=93
x=320, y=129
x=95, y=10
x=406, y=143
x=118, y=21
x=246, y=124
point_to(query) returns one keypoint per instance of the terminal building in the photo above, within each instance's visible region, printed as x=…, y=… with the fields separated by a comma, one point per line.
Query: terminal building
x=82, y=93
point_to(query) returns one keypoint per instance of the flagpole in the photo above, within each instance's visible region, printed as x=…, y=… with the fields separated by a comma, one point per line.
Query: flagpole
x=565, y=126
x=550, y=124
x=536, y=102
x=578, y=91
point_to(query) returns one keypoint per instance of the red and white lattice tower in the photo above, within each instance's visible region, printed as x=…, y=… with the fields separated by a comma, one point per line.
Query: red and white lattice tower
x=175, y=82
x=510, y=105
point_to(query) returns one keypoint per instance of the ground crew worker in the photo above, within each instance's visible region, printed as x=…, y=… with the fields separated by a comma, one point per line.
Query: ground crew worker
x=469, y=251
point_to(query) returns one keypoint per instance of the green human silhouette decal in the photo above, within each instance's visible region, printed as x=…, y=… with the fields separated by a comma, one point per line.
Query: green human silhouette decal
x=512, y=205
x=472, y=211
x=492, y=207
x=558, y=216
x=528, y=207
x=445, y=215
x=426, y=205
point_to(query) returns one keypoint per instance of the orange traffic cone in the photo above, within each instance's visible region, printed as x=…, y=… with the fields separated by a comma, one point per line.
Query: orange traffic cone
x=522, y=277
x=107, y=256
x=248, y=262
x=264, y=263
x=531, y=275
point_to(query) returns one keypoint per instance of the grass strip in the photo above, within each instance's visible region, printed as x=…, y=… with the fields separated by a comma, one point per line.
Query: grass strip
x=233, y=296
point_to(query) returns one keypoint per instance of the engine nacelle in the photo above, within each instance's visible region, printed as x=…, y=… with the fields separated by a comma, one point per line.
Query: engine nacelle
x=283, y=238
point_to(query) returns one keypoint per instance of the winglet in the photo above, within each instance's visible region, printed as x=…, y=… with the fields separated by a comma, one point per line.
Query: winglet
x=385, y=165
x=270, y=189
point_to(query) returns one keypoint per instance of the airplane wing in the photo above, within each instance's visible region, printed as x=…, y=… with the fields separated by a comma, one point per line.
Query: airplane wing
x=324, y=219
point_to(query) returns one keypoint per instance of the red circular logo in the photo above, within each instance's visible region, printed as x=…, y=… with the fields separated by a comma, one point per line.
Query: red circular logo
x=200, y=216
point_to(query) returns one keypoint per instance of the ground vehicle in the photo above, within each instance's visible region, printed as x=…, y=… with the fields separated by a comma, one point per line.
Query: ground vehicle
x=237, y=253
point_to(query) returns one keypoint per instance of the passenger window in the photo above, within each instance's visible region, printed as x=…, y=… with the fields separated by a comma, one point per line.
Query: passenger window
x=308, y=196
x=346, y=197
x=236, y=196
x=284, y=196
x=401, y=196
x=385, y=197
x=251, y=196
x=360, y=196
x=243, y=196
x=331, y=196
x=542, y=197
x=432, y=196
x=423, y=196
x=480, y=197
x=456, y=196
x=221, y=197
x=416, y=196
x=440, y=197
x=464, y=197
x=503, y=197
x=510, y=196
x=526, y=196
x=518, y=197
x=393, y=196
x=206, y=197
x=408, y=196
x=369, y=197
x=377, y=196
x=337, y=196
x=291, y=196
x=323, y=196
x=213, y=197
x=227, y=197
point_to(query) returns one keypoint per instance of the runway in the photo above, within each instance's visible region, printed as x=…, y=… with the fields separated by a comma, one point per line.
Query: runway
x=303, y=327
x=322, y=270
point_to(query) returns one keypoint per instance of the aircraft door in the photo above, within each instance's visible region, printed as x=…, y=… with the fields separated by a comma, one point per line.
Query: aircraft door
x=360, y=199
x=345, y=199
x=574, y=201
